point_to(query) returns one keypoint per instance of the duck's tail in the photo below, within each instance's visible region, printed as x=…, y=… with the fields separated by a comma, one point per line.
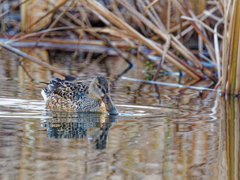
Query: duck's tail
x=54, y=83
x=45, y=94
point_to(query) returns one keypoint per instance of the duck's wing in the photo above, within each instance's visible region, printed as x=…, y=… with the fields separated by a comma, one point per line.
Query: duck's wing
x=68, y=90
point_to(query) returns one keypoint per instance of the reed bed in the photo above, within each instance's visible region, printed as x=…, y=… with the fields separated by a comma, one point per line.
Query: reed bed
x=162, y=27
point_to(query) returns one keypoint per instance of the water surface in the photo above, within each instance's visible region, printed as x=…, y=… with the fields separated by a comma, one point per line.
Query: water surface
x=161, y=132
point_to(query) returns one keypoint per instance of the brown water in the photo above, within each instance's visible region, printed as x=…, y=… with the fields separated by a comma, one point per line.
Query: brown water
x=172, y=133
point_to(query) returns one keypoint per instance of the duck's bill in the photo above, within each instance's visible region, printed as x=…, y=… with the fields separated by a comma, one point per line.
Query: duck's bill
x=111, y=108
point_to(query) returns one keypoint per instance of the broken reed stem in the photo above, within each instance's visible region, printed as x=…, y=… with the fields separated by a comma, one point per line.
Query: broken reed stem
x=166, y=47
x=35, y=60
x=119, y=23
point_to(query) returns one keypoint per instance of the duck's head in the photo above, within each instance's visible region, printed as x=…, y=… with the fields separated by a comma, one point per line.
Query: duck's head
x=99, y=89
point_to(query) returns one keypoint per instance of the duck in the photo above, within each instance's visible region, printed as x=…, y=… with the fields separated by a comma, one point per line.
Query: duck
x=80, y=97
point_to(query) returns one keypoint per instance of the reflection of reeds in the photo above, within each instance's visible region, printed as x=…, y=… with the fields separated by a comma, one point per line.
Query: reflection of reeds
x=229, y=138
x=143, y=23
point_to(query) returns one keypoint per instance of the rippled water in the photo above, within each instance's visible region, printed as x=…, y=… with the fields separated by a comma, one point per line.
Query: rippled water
x=169, y=133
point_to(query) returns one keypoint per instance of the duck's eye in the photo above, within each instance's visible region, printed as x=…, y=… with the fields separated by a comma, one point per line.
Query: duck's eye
x=99, y=86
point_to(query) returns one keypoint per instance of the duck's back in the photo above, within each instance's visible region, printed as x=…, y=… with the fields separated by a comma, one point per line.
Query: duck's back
x=68, y=96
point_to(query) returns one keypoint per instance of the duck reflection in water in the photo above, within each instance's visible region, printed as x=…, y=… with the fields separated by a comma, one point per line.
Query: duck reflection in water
x=94, y=126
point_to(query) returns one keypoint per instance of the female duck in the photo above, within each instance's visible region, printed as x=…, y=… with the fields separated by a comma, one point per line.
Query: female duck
x=69, y=96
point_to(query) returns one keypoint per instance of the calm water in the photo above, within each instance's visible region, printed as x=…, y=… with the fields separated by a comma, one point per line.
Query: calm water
x=164, y=133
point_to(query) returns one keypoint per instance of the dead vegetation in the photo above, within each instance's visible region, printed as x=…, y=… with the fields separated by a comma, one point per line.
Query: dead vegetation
x=192, y=35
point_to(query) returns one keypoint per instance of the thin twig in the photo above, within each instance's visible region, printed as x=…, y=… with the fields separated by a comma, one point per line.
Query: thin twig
x=120, y=53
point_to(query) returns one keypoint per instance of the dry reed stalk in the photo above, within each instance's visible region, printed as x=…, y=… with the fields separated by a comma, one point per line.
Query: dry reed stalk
x=219, y=7
x=203, y=24
x=150, y=14
x=203, y=16
x=197, y=28
x=211, y=15
x=150, y=5
x=23, y=10
x=183, y=24
x=156, y=16
x=113, y=31
x=168, y=15
x=183, y=11
x=54, y=23
x=166, y=47
x=201, y=31
x=35, y=60
x=116, y=10
x=2, y=22
x=209, y=45
x=101, y=17
x=237, y=87
x=69, y=15
x=175, y=43
x=216, y=46
x=119, y=23
x=225, y=47
x=236, y=44
x=80, y=36
x=184, y=63
x=230, y=46
x=218, y=83
x=49, y=12
x=118, y=44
